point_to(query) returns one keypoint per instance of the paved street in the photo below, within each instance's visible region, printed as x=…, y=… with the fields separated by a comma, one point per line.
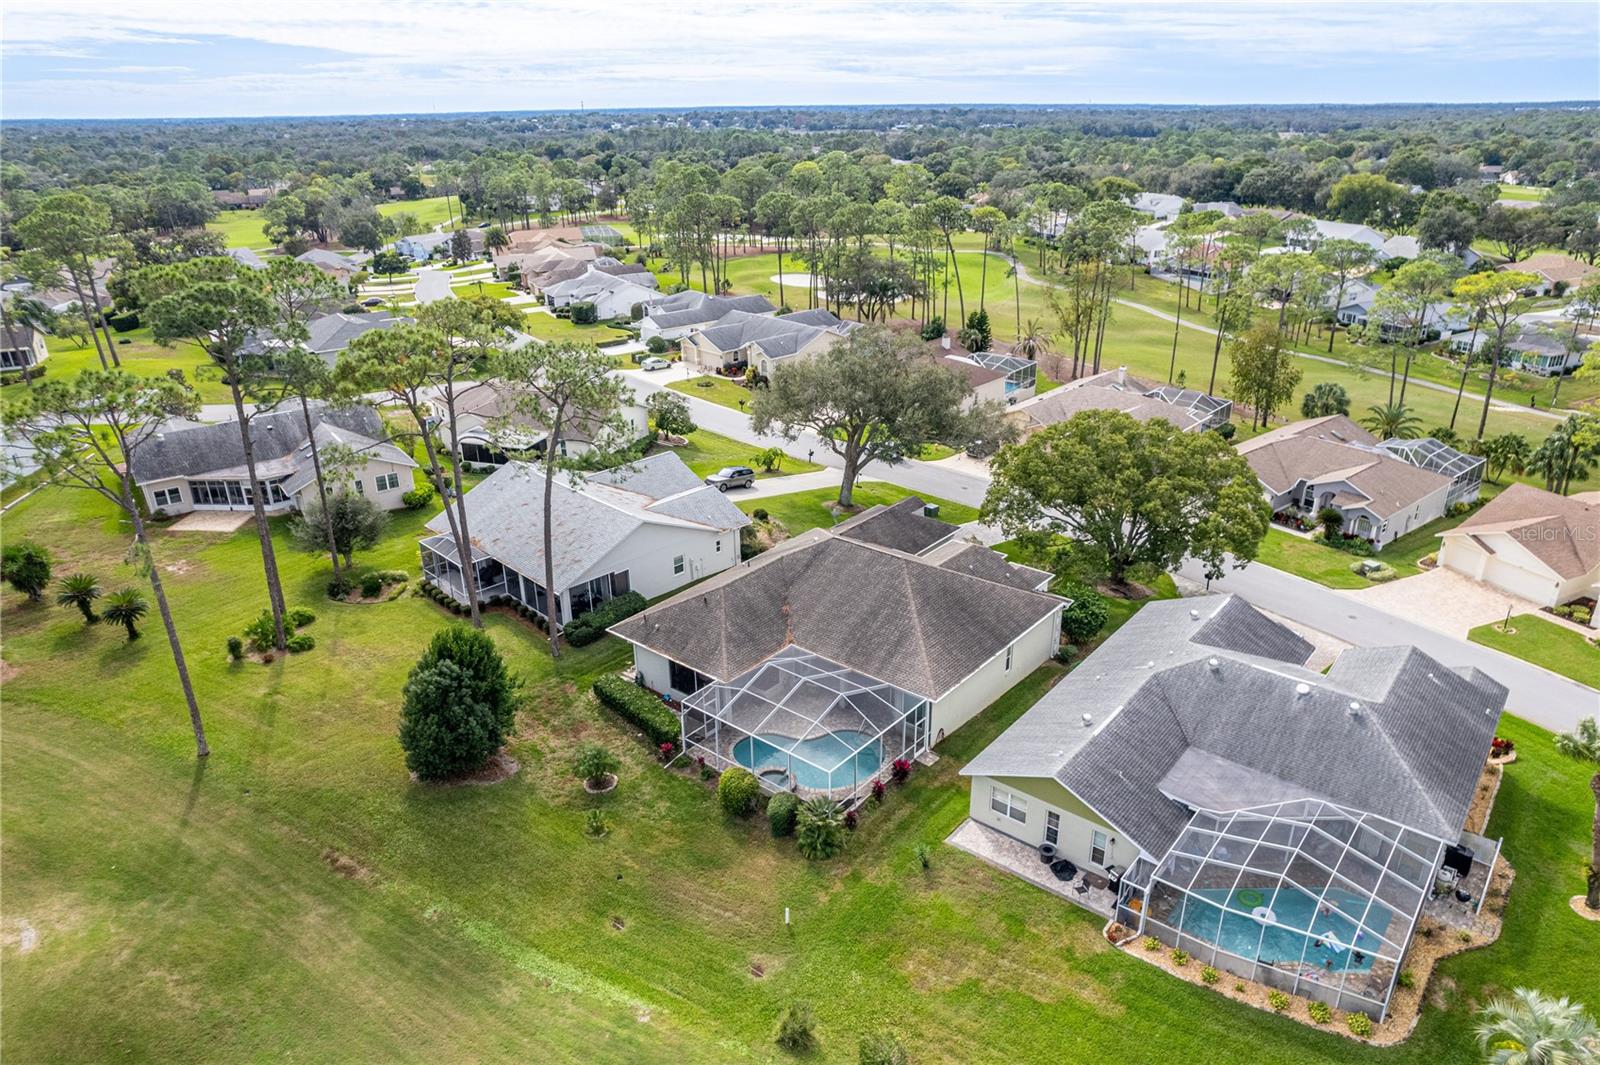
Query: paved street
x=433, y=285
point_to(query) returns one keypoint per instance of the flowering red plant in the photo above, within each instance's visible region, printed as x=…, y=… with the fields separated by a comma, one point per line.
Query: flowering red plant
x=878, y=788
x=850, y=820
x=901, y=770
x=667, y=750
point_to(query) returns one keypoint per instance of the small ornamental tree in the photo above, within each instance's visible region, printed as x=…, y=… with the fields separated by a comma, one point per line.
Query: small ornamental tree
x=80, y=590
x=127, y=607
x=1332, y=521
x=26, y=567
x=819, y=829
x=459, y=705
x=356, y=521
x=670, y=413
x=1085, y=616
x=594, y=764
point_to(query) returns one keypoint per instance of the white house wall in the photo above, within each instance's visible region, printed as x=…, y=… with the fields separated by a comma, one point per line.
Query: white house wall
x=992, y=680
x=1514, y=569
x=1079, y=823
x=647, y=554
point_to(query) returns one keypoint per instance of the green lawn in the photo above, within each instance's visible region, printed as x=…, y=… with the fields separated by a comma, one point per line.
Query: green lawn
x=1544, y=643
x=297, y=892
x=714, y=389
x=496, y=289
x=240, y=229
x=1331, y=567
x=430, y=211
x=1529, y=193
x=549, y=327
x=708, y=452
x=809, y=510
x=140, y=355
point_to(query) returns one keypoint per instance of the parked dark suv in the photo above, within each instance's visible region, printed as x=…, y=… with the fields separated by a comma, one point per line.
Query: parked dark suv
x=732, y=477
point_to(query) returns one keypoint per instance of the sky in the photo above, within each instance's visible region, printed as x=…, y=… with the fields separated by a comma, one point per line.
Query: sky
x=192, y=58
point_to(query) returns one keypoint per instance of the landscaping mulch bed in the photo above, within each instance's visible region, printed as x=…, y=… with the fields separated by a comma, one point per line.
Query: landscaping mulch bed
x=1580, y=906
x=609, y=783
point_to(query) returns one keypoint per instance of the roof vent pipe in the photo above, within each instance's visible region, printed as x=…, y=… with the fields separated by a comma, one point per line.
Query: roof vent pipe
x=1302, y=689
x=1213, y=664
x=1088, y=720
x=1355, y=709
x=1194, y=615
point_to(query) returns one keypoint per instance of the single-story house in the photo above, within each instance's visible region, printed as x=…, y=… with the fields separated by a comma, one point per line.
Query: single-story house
x=1491, y=173
x=1556, y=271
x=1162, y=206
x=250, y=199
x=1228, y=208
x=332, y=263
x=740, y=338
x=1323, y=229
x=330, y=334
x=1187, y=408
x=203, y=468
x=676, y=316
x=996, y=375
x=650, y=527
x=1281, y=824
x=246, y=257
x=613, y=295
x=820, y=662
x=1531, y=543
x=21, y=346
x=487, y=421
x=421, y=247
x=1384, y=490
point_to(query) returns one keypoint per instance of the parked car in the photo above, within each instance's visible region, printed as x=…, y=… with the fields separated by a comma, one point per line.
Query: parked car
x=654, y=362
x=373, y=301
x=732, y=477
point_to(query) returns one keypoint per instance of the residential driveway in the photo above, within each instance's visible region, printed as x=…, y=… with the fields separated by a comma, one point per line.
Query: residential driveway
x=433, y=285
x=782, y=486
x=1447, y=601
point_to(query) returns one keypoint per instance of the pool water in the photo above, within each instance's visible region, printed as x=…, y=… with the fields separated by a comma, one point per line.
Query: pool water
x=1337, y=943
x=834, y=768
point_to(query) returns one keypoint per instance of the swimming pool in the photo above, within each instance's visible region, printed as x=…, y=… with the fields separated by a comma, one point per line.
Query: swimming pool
x=1336, y=941
x=834, y=767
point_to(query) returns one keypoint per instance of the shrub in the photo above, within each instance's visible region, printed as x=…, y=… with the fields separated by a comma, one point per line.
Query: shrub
x=123, y=323
x=595, y=824
x=1226, y=430
x=1320, y=1012
x=781, y=813
x=934, y=329
x=666, y=750
x=797, y=1028
x=881, y=1048
x=235, y=648
x=851, y=820
x=1085, y=616
x=459, y=704
x=924, y=854
x=300, y=641
x=1179, y=957
x=26, y=566
x=340, y=586
x=1405, y=979
x=656, y=346
x=418, y=497
x=760, y=514
x=589, y=627
x=819, y=829
x=1359, y=1024
x=583, y=313
x=261, y=632
x=298, y=617
x=1582, y=614
x=640, y=708
x=737, y=791
x=878, y=790
x=371, y=584
x=1209, y=975
x=1278, y=1000
x=1150, y=943
x=900, y=770
x=1561, y=611
x=594, y=764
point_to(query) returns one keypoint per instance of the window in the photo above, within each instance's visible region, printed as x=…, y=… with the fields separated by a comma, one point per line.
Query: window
x=677, y=564
x=387, y=482
x=619, y=582
x=681, y=678
x=1009, y=650
x=1008, y=804
x=1097, y=848
x=1052, y=828
x=361, y=489
x=166, y=497
x=719, y=547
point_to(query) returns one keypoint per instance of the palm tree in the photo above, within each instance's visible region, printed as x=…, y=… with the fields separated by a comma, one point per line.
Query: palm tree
x=1033, y=341
x=1531, y=1028
x=80, y=590
x=1392, y=420
x=1325, y=398
x=125, y=607
x=1583, y=743
x=1508, y=451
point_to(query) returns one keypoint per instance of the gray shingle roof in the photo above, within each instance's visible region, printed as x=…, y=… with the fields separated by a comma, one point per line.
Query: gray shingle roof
x=275, y=437
x=694, y=308
x=332, y=333
x=505, y=513
x=901, y=526
x=777, y=337
x=1387, y=730
x=1336, y=449
x=979, y=561
x=887, y=614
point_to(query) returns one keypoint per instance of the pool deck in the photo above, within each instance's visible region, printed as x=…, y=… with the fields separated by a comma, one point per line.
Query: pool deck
x=1014, y=856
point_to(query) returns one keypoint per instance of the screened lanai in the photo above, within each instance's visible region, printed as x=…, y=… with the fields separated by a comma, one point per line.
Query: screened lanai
x=1312, y=898
x=1465, y=471
x=804, y=723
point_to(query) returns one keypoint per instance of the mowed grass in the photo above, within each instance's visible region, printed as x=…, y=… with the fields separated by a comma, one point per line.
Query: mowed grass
x=1544, y=643
x=707, y=452
x=549, y=327
x=713, y=389
x=430, y=211
x=139, y=354
x=297, y=897
x=800, y=511
x=240, y=229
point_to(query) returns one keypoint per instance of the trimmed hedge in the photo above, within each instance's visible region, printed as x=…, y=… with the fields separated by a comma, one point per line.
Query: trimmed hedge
x=587, y=628
x=781, y=813
x=738, y=791
x=639, y=707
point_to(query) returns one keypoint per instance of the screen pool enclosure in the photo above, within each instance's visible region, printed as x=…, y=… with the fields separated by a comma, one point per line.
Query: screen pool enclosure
x=1312, y=898
x=803, y=723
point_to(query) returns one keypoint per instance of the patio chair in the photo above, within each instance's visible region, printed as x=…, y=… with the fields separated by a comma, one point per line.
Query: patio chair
x=1064, y=870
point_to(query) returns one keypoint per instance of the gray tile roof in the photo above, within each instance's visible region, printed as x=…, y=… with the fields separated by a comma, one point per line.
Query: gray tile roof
x=1386, y=730
x=890, y=615
x=590, y=516
x=901, y=526
x=276, y=437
